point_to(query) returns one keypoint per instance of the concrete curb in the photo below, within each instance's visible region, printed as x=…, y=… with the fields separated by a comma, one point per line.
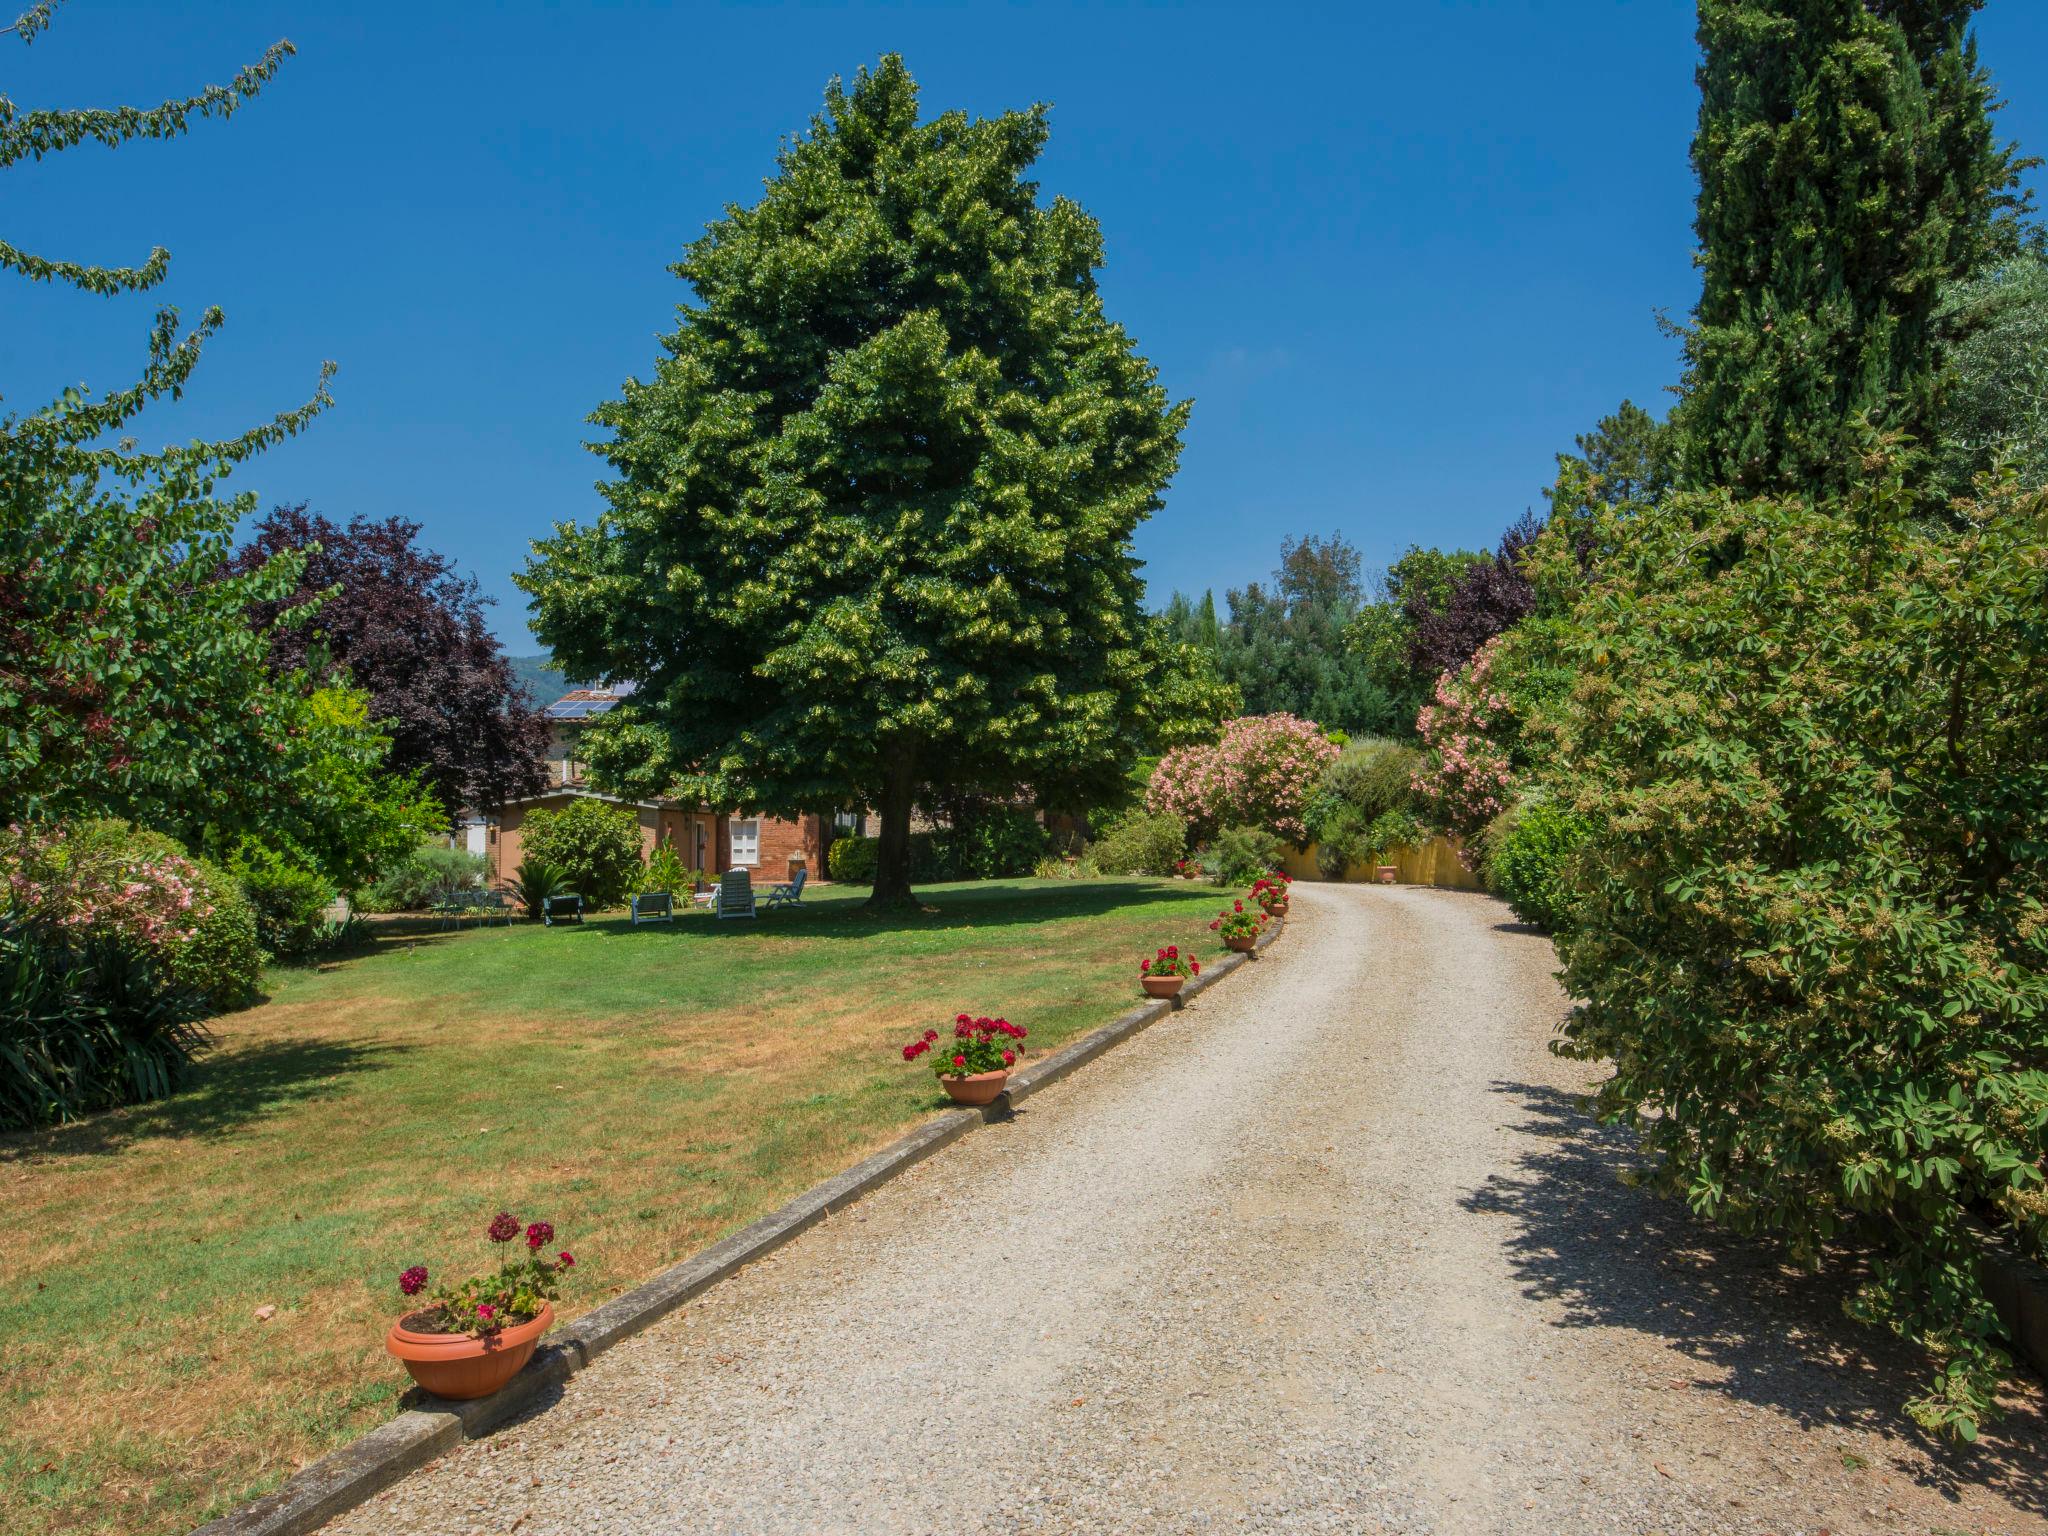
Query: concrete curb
x=364, y=1468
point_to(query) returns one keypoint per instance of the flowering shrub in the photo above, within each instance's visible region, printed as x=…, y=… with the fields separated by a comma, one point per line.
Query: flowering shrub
x=1170, y=962
x=1261, y=773
x=1465, y=781
x=511, y=1294
x=113, y=945
x=1241, y=854
x=1238, y=923
x=978, y=1045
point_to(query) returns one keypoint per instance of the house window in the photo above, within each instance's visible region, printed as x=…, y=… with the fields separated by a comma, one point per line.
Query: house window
x=746, y=840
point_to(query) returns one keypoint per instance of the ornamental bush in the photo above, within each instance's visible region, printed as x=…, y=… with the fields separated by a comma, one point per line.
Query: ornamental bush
x=997, y=843
x=115, y=945
x=1261, y=773
x=1242, y=854
x=1142, y=845
x=593, y=843
x=852, y=859
x=431, y=872
x=1527, y=855
x=1464, y=781
x=1810, y=745
x=289, y=901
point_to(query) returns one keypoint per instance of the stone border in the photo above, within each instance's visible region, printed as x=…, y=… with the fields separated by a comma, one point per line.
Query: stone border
x=344, y=1479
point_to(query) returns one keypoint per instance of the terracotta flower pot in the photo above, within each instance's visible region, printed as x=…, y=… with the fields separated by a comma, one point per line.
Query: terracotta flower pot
x=975, y=1088
x=1387, y=872
x=1161, y=986
x=1243, y=946
x=1276, y=908
x=461, y=1366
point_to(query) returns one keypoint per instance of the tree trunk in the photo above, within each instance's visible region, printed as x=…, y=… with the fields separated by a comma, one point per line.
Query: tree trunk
x=892, y=846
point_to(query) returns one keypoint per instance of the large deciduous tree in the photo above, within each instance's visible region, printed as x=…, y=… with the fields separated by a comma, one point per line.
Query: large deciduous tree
x=1847, y=171
x=868, y=535
x=131, y=681
x=408, y=629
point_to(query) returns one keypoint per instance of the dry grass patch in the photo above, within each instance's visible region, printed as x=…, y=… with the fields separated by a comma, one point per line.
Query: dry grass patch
x=648, y=1090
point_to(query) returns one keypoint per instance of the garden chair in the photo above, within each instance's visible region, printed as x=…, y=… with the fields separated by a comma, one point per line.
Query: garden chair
x=790, y=895
x=653, y=907
x=565, y=908
x=735, y=894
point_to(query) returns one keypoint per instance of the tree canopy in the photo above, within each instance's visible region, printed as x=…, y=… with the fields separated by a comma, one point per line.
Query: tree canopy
x=405, y=627
x=868, y=531
x=1847, y=170
x=132, y=683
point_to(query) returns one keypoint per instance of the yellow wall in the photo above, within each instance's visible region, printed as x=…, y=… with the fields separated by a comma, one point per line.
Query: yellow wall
x=1433, y=863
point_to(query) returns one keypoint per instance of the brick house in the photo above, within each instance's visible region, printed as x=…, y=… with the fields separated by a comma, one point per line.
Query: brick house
x=715, y=840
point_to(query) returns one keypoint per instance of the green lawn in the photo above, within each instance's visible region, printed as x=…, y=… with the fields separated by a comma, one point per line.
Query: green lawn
x=647, y=1090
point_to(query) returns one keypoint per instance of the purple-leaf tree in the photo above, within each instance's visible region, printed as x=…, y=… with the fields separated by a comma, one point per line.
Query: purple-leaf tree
x=407, y=628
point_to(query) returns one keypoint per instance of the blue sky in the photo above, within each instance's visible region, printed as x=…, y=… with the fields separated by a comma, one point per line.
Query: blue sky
x=1398, y=254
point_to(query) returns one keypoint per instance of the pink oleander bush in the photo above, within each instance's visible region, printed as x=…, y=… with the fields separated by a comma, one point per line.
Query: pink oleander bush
x=1465, y=781
x=113, y=947
x=1261, y=773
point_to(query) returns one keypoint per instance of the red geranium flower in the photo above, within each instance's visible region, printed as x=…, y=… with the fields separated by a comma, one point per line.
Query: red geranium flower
x=414, y=1280
x=1009, y=1058
x=503, y=1228
x=566, y=1259
x=959, y=1061
x=539, y=1235
x=1195, y=966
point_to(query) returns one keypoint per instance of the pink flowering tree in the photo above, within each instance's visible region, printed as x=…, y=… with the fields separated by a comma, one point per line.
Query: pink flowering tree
x=1261, y=773
x=1466, y=779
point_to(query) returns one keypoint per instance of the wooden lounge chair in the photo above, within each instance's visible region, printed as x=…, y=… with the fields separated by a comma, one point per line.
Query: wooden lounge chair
x=790, y=895
x=735, y=894
x=565, y=908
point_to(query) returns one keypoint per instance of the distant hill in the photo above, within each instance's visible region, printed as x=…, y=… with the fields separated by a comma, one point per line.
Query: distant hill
x=542, y=681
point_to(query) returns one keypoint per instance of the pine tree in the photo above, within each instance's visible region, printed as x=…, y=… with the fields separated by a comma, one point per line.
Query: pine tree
x=1847, y=170
x=868, y=538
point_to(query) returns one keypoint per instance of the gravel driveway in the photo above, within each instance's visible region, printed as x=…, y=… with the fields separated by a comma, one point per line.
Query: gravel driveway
x=1331, y=1250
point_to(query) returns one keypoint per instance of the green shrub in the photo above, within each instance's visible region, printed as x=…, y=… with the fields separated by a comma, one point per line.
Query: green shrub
x=87, y=1022
x=223, y=960
x=1142, y=845
x=999, y=843
x=1398, y=828
x=430, y=873
x=666, y=871
x=1811, y=749
x=1372, y=778
x=290, y=902
x=1526, y=856
x=595, y=845
x=1341, y=843
x=534, y=882
x=1242, y=854
x=1067, y=866
x=852, y=859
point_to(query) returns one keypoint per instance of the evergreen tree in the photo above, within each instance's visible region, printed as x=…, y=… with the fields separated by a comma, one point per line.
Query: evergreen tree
x=868, y=536
x=1847, y=171
x=1630, y=454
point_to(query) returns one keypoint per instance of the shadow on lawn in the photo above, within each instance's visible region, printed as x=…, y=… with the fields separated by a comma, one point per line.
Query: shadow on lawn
x=941, y=908
x=1616, y=1257
x=226, y=1090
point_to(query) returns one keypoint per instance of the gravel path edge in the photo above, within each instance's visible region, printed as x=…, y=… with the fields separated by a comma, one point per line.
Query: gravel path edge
x=371, y=1463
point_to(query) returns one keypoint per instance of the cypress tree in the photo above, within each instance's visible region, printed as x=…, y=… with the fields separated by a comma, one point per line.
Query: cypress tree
x=1847, y=171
